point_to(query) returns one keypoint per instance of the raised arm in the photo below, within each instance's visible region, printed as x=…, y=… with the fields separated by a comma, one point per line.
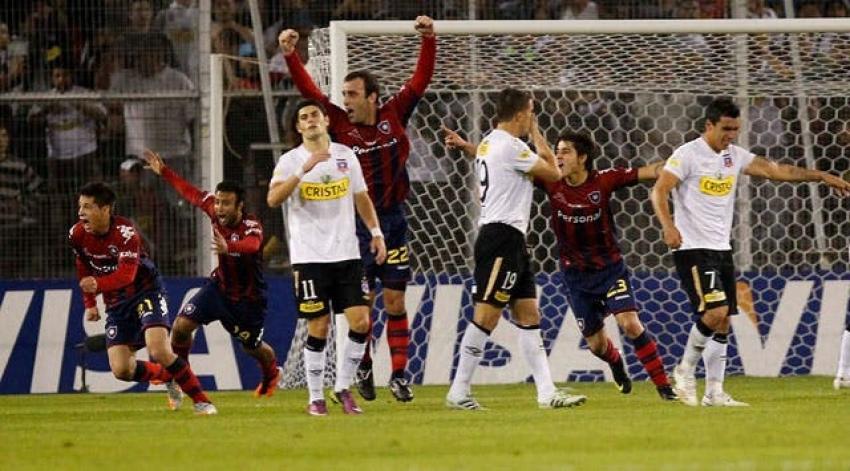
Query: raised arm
x=193, y=195
x=761, y=167
x=287, y=40
x=660, y=197
x=651, y=171
x=366, y=211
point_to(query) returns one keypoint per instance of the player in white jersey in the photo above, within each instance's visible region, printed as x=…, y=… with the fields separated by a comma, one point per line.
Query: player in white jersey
x=702, y=175
x=324, y=185
x=503, y=273
x=842, y=376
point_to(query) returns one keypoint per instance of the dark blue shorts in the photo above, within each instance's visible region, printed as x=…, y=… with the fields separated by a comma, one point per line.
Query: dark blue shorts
x=395, y=272
x=127, y=322
x=243, y=320
x=593, y=295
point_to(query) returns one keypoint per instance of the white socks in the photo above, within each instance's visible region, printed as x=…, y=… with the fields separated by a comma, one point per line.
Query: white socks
x=844, y=358
x=532, y=348
x=714, y=357
x=471, y=351
x=693, y=349
x=314, y=369
x=352, y=353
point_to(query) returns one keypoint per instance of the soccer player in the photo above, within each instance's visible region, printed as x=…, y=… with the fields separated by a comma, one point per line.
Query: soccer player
x=376, y=134
x=324, y=184
x=594, y=275
x=236, y=291
x=702, y=175
x=503, y=275
x=112, y=261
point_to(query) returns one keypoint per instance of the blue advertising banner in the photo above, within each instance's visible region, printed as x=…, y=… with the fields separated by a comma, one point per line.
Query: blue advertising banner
x=790, y=324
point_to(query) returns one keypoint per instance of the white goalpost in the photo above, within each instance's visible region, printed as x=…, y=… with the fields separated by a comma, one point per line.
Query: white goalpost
x=638, y=88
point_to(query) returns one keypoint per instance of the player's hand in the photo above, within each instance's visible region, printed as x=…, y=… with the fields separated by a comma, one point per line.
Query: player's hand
x=92, y=314
x=424, y=25
x=379, y=249
x=672, y=237
x=453, y=139
x=89, y=285
x=154, y=161
x=840, y=185
x=315, y=159
x=219, y=243
x=287, y=40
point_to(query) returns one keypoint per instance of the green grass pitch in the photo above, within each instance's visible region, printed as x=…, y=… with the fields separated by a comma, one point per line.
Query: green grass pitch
x=794, y=423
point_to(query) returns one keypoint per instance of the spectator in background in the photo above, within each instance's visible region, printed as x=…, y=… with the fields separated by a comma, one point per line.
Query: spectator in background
x=757, y=9
x=46, y=29
x=295, y=15
x=140, y=16
x=11, y=61
x=357, y=10
x=580, y=10
x=71, y=130
x=224, y=19
x=809, y=9
x=161, y=125
x=179, y=22
x=20, y=196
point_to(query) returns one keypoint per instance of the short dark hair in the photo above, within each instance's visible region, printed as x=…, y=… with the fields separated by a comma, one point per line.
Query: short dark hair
x=583, y=145
x=230, y=186
x=101, y=192
x=719, y=108
x=509, y=102
x=293, y=122
x=370, y=82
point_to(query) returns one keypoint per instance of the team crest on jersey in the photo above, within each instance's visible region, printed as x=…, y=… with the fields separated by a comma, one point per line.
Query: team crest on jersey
x=595, y=197
x=189, y=308
x=727, y=160
x=342, y=165
x=384, y=126
x=113, y=250
x=234, y=237
x=111, y=332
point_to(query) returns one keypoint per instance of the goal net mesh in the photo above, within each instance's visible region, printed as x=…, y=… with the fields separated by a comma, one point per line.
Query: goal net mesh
x=639, y=96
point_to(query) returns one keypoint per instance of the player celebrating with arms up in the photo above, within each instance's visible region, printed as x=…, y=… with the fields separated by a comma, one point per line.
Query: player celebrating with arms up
x=236, y=291
x=111, y=261
x=324, y=184
x=702, y=175
x=376, y=133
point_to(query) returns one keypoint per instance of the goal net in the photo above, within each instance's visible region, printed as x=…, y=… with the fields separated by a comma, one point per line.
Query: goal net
x=640, y=93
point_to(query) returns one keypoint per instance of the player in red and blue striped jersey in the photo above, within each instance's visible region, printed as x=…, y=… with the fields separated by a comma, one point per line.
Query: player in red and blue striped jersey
x=112, y=261
x=594, y=275
x=376, y=133
x=235, y=294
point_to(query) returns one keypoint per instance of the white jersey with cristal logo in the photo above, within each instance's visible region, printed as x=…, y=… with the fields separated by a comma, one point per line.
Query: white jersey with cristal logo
x=505, y=190
x=320, y=211
x=704, y=201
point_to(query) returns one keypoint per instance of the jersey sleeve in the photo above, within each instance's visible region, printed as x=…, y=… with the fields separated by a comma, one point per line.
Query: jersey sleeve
x=252, y=240
x=201, y=199
x=129, y=253
x=82, y=269
x=358, y=182
x=746, y=157
x=678, y=165
x=618, y=177
x=284, y=169
x=404, y=102
x=308, y=88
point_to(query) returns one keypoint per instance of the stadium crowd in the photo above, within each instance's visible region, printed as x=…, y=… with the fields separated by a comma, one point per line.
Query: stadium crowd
x=120, y=47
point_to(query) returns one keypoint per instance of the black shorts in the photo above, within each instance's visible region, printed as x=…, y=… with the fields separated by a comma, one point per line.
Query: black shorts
x=502, y=266
x=708, y=276
x=322, y=287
